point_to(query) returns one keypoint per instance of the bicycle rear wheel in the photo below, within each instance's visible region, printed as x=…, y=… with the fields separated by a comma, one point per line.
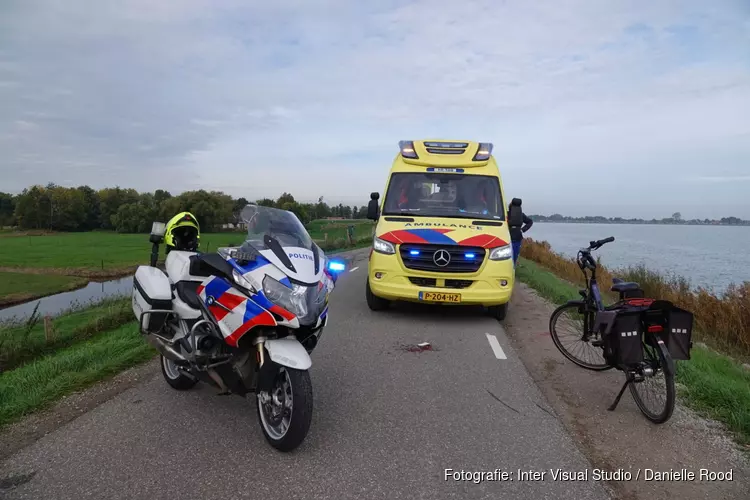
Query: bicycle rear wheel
x=661, y=383
x=568, y=323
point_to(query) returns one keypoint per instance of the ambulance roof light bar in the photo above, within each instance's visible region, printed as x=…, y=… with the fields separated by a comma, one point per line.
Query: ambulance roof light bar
x=484, y=152
x=407, y=149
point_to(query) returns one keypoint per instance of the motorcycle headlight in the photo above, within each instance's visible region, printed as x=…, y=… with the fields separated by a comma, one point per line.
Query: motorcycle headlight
x=383, y=246
x=244, y=282
x=291, y=299
x=501, y=253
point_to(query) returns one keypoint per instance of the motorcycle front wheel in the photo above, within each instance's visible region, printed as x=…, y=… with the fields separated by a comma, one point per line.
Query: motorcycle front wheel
x=285, y=413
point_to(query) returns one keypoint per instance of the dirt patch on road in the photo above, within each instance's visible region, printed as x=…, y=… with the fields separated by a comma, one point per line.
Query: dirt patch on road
x=622, y=439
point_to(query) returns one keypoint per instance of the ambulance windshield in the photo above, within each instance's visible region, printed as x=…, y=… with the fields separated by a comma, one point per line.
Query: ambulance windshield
x=444, y=195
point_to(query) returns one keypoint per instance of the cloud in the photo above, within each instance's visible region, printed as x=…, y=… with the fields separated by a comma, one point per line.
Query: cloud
x=312, y=98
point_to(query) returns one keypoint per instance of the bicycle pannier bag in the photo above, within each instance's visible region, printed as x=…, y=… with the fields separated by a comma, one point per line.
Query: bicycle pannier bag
x=626, y=336
x=679, y=333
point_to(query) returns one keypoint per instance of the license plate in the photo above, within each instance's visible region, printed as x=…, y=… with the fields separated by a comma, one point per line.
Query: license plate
x=440, y=297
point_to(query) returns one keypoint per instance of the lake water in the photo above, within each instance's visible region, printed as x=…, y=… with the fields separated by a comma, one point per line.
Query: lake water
x=709, y=256
x=54, y=304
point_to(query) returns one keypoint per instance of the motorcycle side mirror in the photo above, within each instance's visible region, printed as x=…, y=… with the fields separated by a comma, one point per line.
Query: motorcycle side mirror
x=373, y=208
x=158, y=229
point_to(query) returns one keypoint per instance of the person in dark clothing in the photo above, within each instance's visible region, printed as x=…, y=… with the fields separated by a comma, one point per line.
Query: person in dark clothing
x=516, y=232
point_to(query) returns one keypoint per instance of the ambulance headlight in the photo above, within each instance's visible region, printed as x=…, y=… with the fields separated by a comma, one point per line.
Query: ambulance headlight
x=382, y=246
x=501, y=253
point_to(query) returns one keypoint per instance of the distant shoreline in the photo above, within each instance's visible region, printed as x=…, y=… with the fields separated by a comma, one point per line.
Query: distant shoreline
x=640, y=223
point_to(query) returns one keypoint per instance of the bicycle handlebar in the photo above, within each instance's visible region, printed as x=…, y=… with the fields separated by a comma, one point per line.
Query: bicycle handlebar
x=593, y=245
x=585, y=259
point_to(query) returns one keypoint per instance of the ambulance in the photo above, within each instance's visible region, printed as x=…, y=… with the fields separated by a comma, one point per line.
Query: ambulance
x=441, y=233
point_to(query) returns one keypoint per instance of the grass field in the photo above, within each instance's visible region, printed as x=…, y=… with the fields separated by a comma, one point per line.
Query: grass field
x=710, y=383
x=33, y=266
x=93, y=252
x=17, y=287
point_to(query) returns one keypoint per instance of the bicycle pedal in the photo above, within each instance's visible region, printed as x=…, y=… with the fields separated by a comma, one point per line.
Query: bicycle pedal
x=597, y=343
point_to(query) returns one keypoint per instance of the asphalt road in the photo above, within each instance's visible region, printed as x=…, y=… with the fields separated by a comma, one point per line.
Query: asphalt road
x=387, y=424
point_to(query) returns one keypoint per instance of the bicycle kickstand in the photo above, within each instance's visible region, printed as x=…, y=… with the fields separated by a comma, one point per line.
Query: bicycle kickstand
x=619, y=395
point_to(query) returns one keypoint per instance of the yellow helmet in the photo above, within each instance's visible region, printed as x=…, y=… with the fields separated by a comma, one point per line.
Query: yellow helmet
x=183, y=233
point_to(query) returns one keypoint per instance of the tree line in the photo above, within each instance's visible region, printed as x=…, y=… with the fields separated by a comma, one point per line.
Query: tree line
x=82, y=208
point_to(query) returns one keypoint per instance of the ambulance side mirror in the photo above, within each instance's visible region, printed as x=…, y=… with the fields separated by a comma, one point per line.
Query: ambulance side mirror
x=373, y=209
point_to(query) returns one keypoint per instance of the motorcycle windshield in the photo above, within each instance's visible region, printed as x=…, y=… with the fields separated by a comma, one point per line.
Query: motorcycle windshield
x=269, y=227
x=279, y=237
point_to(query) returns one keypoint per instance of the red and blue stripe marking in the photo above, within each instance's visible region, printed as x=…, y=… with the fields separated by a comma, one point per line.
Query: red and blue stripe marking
x=440, y=237
x=254, y=316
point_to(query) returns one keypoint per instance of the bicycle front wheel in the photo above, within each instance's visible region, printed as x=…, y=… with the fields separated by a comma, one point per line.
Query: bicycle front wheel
x=655, y=394
x=567, y=326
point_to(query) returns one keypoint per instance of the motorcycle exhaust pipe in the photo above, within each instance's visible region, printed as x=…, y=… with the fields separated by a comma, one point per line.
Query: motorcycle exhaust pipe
x=164, y=349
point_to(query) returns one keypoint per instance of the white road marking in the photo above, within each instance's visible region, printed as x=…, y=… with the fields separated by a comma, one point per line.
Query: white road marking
x=353, y=269
x=499, y=354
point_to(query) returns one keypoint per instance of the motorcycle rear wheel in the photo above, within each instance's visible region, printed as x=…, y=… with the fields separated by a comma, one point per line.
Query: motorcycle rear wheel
x=286, y=413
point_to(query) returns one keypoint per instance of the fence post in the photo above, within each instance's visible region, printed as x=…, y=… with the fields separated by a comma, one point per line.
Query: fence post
x=49, y=329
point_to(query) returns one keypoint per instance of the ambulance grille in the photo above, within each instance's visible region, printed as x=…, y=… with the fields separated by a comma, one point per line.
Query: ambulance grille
x=421, y=257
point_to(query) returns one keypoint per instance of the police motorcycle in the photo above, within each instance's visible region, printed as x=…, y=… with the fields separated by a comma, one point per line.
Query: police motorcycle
x=243, y=319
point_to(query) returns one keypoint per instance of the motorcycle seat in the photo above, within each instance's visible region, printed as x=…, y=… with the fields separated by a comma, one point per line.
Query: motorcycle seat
x=187, y=292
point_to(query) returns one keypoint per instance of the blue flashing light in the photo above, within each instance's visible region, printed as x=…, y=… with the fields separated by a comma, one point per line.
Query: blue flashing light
x=414, y=252
x=469, y=255
x=336, y=267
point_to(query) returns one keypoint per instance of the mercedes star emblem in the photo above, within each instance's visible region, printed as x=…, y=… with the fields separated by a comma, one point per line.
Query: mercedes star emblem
x=441, y=258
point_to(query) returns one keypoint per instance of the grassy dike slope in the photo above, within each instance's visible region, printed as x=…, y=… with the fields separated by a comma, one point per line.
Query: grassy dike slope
x=713, y=384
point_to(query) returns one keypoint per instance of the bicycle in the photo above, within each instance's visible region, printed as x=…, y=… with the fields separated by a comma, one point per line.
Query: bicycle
x=640, y=336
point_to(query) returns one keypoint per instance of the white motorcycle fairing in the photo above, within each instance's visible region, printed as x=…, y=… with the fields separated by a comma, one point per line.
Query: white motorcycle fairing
x=303, y=261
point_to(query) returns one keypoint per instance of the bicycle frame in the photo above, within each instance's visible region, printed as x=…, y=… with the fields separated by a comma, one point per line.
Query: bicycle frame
x=592, y=297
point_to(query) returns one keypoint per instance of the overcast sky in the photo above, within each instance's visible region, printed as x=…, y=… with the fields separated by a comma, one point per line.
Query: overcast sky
x=616, y=108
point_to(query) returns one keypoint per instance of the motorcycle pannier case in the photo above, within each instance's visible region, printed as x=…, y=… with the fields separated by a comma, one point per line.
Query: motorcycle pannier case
x=151, y=291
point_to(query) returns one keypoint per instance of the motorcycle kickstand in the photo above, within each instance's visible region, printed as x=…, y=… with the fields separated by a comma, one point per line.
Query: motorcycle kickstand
x=628, y=380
